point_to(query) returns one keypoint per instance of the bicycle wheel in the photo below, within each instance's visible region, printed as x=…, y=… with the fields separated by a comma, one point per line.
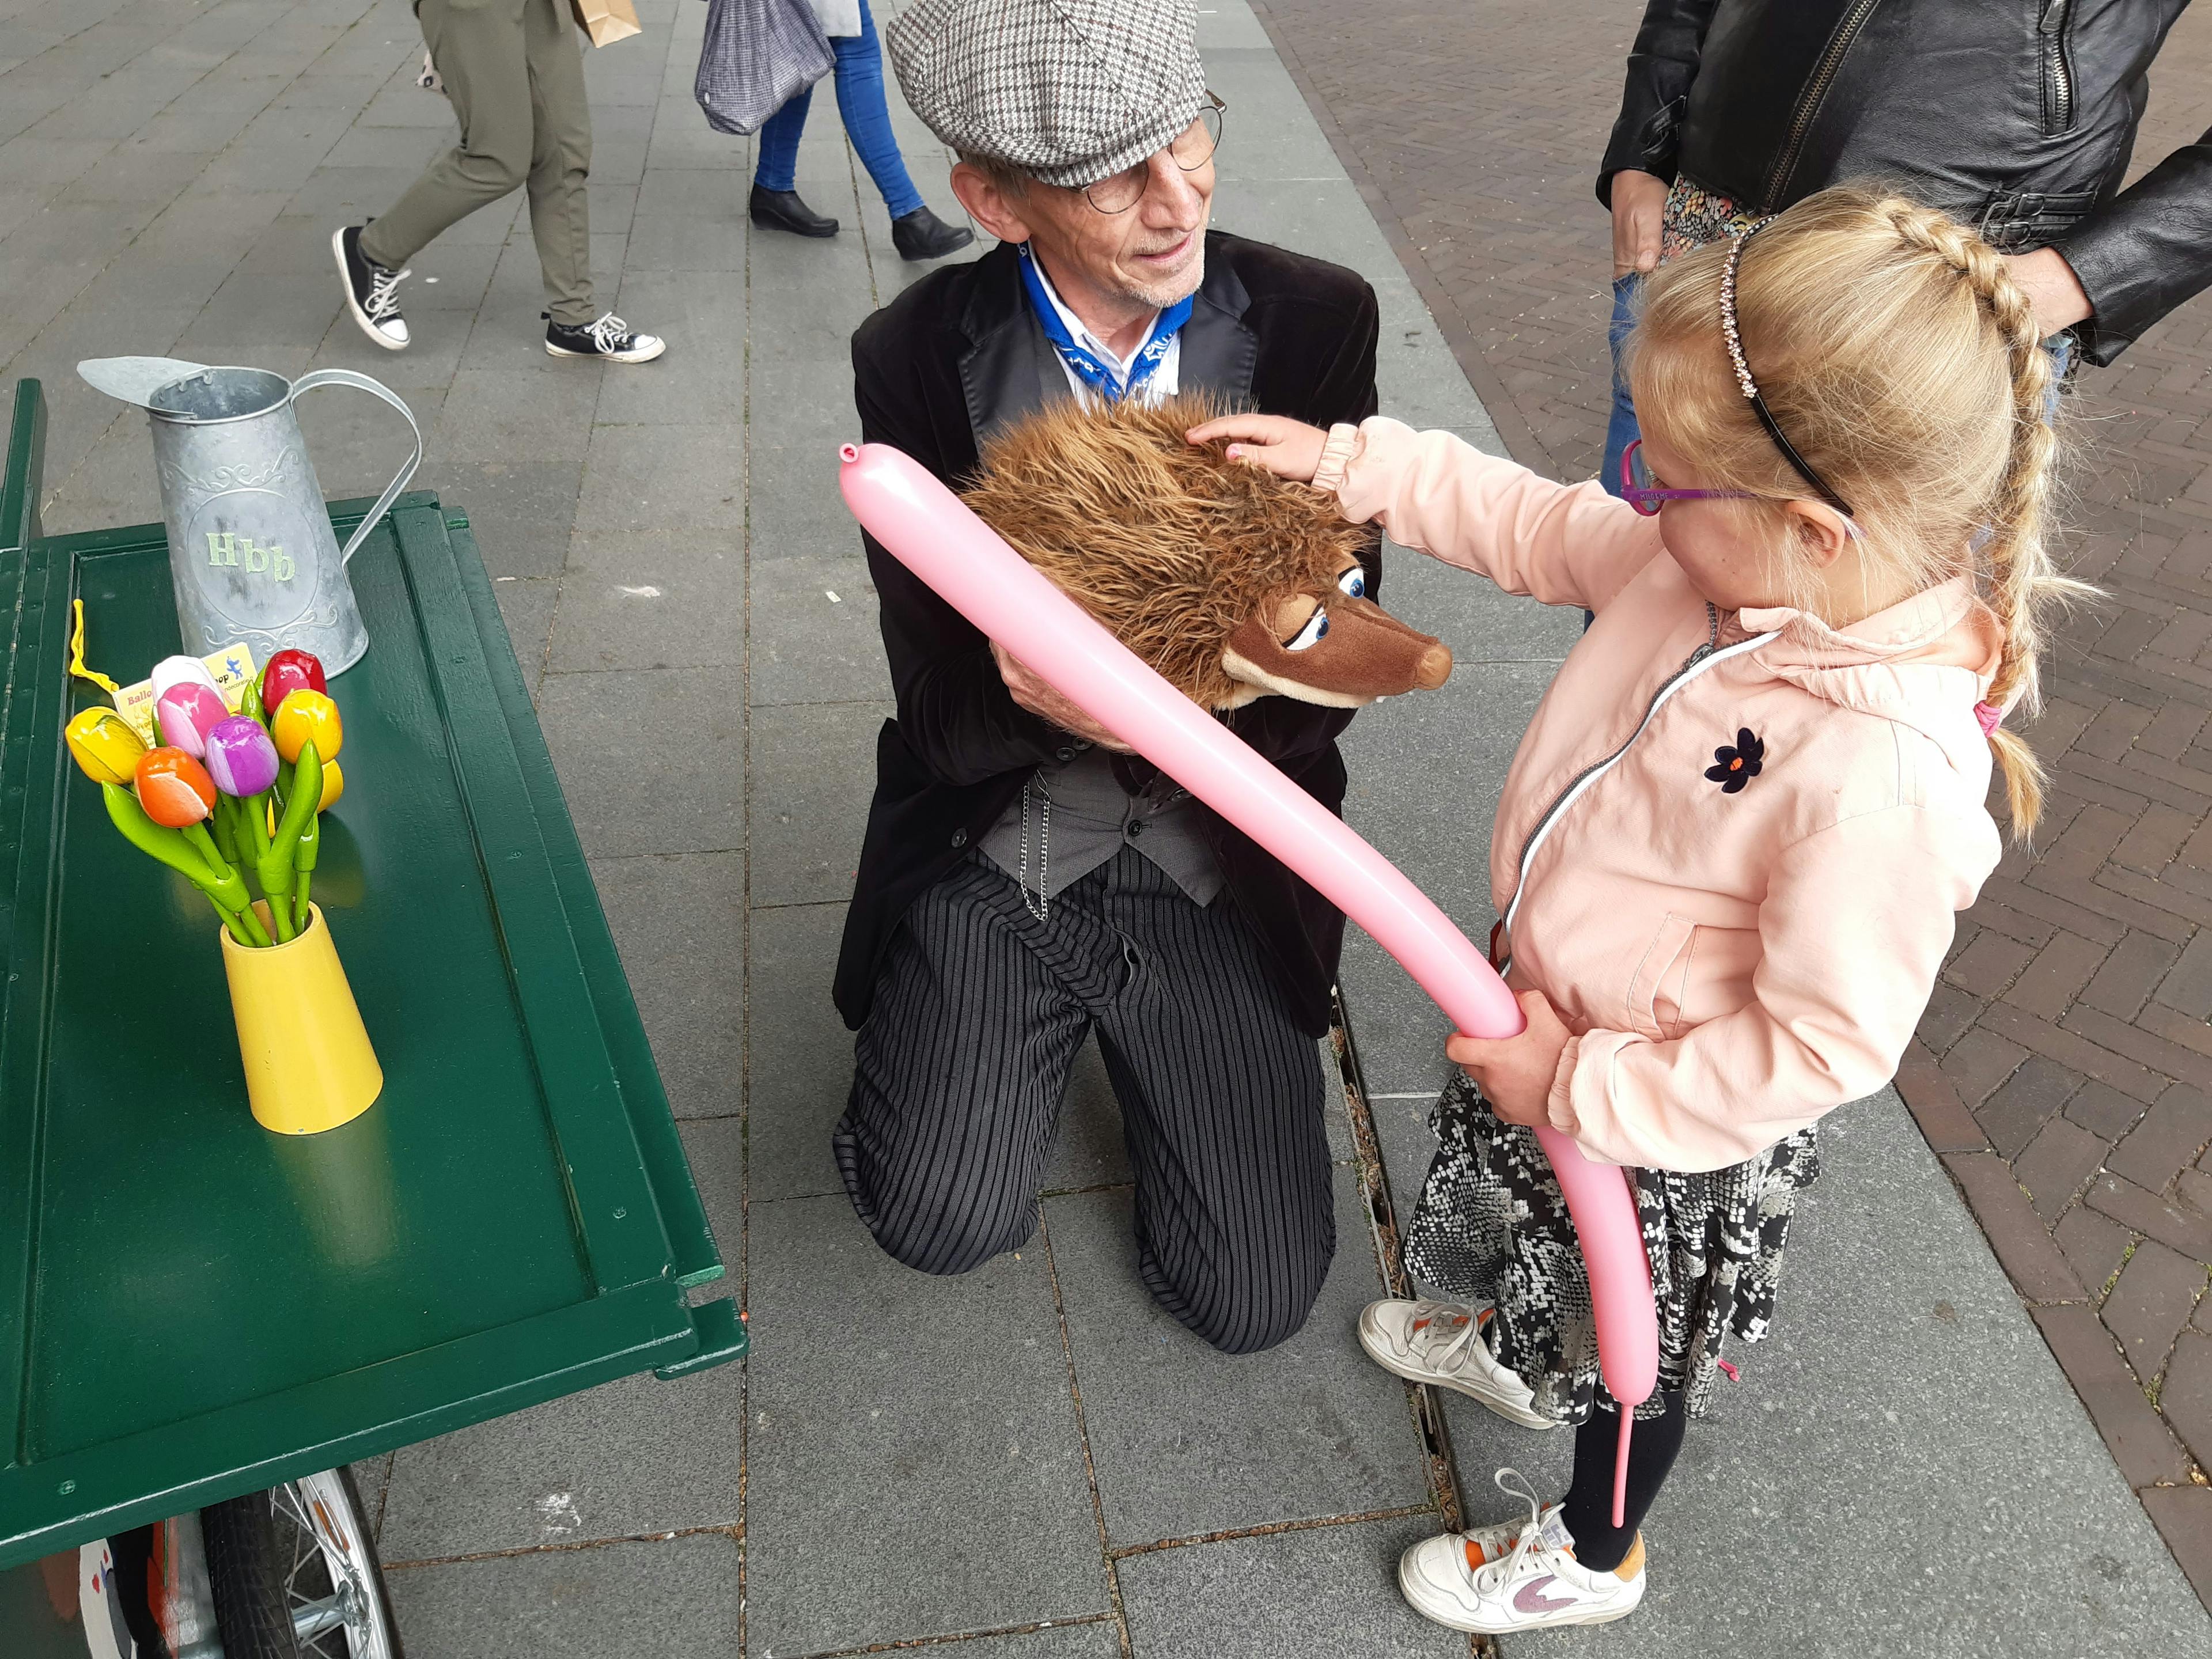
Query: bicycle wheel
x=294, y=1574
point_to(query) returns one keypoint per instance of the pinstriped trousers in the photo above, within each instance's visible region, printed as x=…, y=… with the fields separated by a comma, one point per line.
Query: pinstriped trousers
x=978, y=1013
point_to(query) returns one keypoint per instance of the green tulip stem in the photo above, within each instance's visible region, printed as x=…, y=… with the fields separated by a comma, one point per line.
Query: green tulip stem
x=256, y=808
x=229, y=920
x=173, y=848
x=306, y=880
x=203, y=844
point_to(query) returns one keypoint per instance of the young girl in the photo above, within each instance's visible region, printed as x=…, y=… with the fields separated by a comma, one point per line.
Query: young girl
x=1734, y=839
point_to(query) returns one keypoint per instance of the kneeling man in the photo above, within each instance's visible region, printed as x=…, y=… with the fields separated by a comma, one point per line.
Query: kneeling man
x=1023, y=883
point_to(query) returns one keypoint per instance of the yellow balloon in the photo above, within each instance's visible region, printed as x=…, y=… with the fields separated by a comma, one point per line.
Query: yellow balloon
x=104, y=745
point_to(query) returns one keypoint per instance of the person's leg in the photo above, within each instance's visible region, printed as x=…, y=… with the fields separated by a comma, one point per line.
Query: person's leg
x=1221, y=1105
x=777, y=170
x=1588, y=1510
x=561, y=162
x=867, y=117
x=480, y=50
x=959, y=1073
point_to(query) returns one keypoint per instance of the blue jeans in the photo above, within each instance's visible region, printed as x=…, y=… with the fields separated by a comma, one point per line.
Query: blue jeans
x=1620, y=429
x=867, y=119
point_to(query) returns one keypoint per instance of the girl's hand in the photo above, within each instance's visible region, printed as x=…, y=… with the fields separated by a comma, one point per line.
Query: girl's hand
x=1515, y=1073
x=1288, y=449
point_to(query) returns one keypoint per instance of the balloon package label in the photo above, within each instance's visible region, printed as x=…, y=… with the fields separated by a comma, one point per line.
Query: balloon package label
x=234, y=669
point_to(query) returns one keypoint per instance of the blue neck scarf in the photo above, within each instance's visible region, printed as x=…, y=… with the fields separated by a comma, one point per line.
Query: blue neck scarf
x=1094, y=374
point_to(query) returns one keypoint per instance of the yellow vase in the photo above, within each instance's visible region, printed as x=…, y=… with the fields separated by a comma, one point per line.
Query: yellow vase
x=308, y=1065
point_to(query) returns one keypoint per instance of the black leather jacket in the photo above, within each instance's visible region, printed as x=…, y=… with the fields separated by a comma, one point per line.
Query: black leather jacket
x=2016, y=116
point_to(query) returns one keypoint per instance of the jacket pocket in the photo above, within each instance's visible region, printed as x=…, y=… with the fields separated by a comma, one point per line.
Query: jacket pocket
x=2053, y=30
x=1655, y=989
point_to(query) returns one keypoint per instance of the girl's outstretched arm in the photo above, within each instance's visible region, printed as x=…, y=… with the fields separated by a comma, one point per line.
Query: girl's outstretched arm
x=1562, y=543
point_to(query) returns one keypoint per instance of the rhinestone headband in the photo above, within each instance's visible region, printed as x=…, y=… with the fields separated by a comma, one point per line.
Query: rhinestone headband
x=1734, y=339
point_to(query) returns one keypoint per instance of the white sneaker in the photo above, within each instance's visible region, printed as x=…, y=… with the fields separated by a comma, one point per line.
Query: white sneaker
x=1458, y=1581
x=1444, y=1343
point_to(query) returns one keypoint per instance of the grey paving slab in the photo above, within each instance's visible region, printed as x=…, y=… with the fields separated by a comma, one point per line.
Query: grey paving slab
x=663, y=478
x=625, y=1459
x=1187, y=1441
x=869, y=1379
x=688, y=219
x=622, y=741
x=1089, y=1150
x=1883, y=1513
x=652, y=599
x=1325, y=1591
x=715, y=1149
x=803, y=412
x=813, y=772
x=618, y=1602
x=1324, y=217
x=1266, y=133
x=800, y=1054
x=527, y=604
x=679, y=921
x=814, y=632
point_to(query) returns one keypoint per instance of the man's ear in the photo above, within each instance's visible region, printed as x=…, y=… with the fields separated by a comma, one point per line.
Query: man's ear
x=988, y=205
x=1822, y=532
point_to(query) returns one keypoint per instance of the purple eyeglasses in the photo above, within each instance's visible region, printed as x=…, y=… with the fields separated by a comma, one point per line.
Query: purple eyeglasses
x=1647, y=499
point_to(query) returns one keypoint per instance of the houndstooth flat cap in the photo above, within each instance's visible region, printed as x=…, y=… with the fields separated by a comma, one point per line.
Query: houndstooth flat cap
x=1068, y=91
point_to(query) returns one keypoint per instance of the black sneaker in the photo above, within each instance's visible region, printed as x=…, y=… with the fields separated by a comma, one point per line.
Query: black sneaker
x=609, y=338
x=921, y=234
x=372, y=291
x=781, y=209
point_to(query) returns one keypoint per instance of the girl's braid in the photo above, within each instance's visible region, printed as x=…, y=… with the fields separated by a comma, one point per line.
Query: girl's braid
x=2021, y=578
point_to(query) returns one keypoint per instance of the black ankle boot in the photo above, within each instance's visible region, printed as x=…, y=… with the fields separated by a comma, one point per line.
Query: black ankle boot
x=921, y=234
x=781, y=209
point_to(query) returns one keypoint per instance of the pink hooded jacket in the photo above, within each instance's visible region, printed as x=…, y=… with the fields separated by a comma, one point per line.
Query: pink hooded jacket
x=1736, y=955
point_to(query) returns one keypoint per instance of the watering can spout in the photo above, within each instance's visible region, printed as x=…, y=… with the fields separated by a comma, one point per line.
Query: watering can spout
x=251, y=554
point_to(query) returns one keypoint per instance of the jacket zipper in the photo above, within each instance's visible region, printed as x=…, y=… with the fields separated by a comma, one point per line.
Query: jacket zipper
x=1708, y=655
x=1808, y=102
x=2058, y=78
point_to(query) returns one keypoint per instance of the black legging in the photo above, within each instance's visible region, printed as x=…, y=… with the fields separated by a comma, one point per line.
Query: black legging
x=1599, y=1545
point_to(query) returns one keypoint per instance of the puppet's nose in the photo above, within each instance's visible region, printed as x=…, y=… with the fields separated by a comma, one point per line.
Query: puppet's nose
x=1434, y=667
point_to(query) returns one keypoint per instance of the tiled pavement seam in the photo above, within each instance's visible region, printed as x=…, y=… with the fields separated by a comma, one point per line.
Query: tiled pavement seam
x=2065, y=1070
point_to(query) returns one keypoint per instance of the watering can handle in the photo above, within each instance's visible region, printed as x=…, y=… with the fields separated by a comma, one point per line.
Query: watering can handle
x=323, y=377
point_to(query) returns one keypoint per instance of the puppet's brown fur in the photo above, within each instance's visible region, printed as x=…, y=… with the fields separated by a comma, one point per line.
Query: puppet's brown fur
x=1170, y=546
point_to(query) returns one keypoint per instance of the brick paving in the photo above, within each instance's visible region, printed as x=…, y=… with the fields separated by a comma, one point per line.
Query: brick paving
x=2064, y=1066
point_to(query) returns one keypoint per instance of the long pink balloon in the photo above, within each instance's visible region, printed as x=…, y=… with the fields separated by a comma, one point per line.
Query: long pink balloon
x=932, y=533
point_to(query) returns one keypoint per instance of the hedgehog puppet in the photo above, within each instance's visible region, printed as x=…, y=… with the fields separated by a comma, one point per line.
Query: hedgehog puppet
x=1230, y=581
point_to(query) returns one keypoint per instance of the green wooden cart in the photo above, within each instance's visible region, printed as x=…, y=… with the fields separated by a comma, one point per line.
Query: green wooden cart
x=192, y=1309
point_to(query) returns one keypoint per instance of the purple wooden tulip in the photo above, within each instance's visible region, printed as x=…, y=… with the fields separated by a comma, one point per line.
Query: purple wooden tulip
x=240, y=757
x=187, y=712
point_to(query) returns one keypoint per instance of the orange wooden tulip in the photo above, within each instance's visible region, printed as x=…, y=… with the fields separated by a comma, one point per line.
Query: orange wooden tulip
x=175, y=788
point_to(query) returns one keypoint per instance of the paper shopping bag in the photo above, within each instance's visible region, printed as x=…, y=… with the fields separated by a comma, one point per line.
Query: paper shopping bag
x=606, y=21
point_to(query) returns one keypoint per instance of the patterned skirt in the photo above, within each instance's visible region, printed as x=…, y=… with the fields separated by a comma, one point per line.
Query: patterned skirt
x=1492, y=1225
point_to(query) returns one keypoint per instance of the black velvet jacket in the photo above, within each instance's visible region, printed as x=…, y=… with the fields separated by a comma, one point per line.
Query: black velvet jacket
x=2016, y=116
x=960, y=354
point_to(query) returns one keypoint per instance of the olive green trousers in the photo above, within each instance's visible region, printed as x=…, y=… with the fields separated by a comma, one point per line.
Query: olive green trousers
x=514, y=73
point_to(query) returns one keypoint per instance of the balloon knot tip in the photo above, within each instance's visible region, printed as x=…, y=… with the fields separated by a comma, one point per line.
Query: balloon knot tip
x=849, y=453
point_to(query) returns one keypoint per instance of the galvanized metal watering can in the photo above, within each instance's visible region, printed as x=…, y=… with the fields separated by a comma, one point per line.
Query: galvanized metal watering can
x=251, y=554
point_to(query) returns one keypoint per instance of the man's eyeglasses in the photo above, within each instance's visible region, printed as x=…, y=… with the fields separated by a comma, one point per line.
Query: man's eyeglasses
x=1193, y=148
x=1641, y=491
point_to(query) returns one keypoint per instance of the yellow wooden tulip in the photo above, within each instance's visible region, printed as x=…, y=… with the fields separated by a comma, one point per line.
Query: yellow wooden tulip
x=104, y=745
x=333, y=786
x=303, y=717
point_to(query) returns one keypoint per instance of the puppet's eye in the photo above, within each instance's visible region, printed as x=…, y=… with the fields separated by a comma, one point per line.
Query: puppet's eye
x=1317, y=625
x=1353, y=582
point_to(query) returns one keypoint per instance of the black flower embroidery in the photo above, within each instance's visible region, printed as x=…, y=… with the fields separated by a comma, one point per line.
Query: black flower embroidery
x=1735, y=766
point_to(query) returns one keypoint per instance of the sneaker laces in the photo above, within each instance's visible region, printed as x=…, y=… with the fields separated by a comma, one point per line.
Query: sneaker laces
x=383, y=299
x=1444, y=1354
x=1493, y=1576
x=610, y=333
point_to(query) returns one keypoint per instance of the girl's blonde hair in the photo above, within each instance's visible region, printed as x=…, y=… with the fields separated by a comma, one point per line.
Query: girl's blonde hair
x=1898, y=357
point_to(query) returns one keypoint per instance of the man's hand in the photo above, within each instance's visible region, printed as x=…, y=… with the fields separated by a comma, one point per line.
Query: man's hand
x=1516, y=1073
x=1275, y=443
x=2051, y=287
x=1639, y=202
x=1046, y=704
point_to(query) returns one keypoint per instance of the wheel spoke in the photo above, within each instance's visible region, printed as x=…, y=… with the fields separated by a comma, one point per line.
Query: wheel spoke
x=312, y=1618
